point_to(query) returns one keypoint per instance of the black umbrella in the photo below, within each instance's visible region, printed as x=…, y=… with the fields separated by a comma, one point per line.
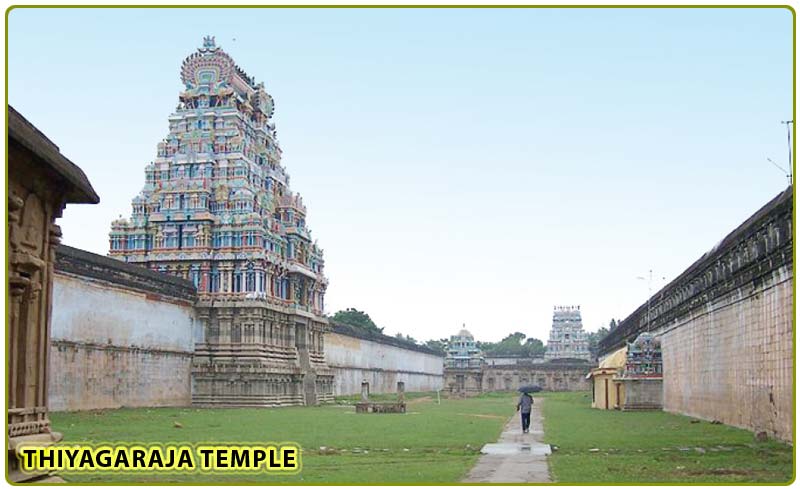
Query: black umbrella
x=529, y=388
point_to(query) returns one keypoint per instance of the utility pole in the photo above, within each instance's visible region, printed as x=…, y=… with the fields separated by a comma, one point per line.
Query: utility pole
x=789, y=143
x=649, y=294
x=779, y=167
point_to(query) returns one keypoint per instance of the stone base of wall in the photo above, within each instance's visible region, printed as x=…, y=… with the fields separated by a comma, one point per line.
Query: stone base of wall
x=643, y=394
x=86, y=376
x=241, y=382
x=258, y=355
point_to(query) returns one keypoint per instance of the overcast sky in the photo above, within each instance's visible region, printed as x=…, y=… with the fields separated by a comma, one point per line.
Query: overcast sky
x=459, y=166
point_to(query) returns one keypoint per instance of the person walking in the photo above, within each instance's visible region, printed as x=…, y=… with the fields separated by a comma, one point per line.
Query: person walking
x=524, y=407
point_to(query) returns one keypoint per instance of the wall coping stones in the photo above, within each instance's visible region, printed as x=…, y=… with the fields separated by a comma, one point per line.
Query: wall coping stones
x=757, y=247
x=347, y=330
x=562, y=366
x=503, y=355
x=90, y=265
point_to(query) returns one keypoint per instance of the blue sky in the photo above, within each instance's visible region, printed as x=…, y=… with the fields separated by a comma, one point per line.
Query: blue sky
x=472, y=166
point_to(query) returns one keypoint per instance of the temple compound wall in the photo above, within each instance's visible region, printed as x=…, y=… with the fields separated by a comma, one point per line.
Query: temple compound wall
x=467, y=372
x=554, y=376
x=726, y=328
x=121, y=335
x=126, y=336
x=382, y=361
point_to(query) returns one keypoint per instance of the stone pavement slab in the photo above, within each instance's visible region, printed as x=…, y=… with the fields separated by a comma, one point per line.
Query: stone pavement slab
x=516, y=457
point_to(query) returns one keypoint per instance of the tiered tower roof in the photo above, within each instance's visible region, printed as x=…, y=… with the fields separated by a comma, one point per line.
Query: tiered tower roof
x=567, y=337
x=216, y=207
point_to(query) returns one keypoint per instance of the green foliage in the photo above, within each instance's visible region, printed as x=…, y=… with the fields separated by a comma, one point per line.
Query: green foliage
x=535, y=347
x=514, y=344
x=438, y=345
x=595, y=337
x=407, y=338
x=648, y=447
x=356, y=318
x=432, y=443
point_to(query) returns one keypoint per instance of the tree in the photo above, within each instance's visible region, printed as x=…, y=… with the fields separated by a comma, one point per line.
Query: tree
x=535, y=347
x=597, y=336
x=514, y=344
x=438, y=345
x=358, y=319
x=402, y=337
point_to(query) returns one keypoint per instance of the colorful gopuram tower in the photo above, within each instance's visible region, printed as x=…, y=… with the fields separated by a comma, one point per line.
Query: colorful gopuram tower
x=567, y=337
x=216, y=209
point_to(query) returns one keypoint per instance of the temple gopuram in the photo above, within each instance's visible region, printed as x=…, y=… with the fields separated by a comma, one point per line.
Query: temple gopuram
x=216, y=209
x=468, y=372
x=567, y=337
x=463, y=365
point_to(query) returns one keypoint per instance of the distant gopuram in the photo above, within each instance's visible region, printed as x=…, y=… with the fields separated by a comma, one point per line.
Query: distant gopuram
x=567, y=337
x=216, y=209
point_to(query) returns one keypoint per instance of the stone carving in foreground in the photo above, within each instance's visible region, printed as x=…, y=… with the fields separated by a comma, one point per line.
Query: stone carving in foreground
x=41, y=181
x=366, y=406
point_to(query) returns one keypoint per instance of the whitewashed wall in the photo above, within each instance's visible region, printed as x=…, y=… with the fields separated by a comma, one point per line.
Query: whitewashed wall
x=354, y=360
x=113, y=346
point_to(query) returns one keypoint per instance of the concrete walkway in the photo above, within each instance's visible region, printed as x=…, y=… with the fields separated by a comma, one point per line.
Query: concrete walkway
x=516, y=457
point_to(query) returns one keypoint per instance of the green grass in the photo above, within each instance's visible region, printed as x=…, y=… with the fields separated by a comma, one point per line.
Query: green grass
x=430, y=443
x=654, y=447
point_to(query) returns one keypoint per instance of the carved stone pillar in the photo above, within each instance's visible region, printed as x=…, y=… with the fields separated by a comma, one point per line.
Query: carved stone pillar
x=41, y=181
x=365, y=391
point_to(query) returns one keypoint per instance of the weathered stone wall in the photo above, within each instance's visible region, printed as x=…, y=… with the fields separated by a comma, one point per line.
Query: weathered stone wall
x=556, y=376
x=550, y=376
x=463, y=382
x=258, y=354
x=121, y=335
x=380, y=360
x=732, y=361
x=642, y=393
x=726, y=327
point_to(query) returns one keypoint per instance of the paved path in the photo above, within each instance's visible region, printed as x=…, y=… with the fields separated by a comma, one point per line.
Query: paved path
x=516, y=457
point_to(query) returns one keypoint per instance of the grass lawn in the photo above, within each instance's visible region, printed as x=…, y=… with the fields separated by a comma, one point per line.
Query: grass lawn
x=431, y=443
x=654, y=447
